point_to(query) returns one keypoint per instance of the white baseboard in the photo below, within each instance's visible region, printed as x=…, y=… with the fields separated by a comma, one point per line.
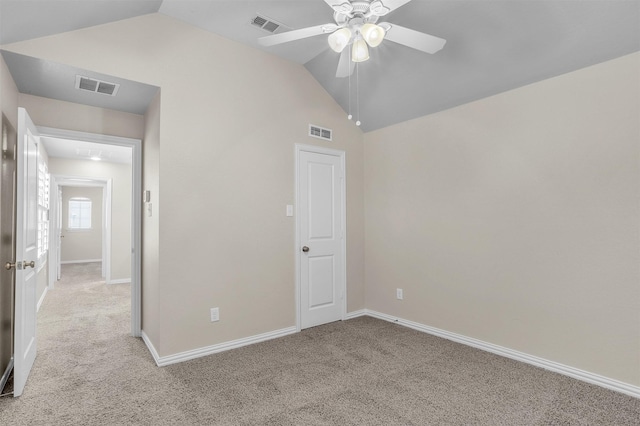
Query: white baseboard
x=120, y=281
x=152, y=349
x=355, y=314
x=66, y=262
x=44, y=293
x=220, y=347
x=566, y=370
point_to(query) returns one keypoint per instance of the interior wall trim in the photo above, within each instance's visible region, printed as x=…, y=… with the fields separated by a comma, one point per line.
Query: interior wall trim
x=68, y=262
x=355, y=314
x=161, y=361
x=152, y=349
x=120, y=281
x=556, y=367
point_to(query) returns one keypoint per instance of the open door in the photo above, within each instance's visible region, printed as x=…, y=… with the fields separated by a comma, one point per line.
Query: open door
x=7, y=247
x=25, y=342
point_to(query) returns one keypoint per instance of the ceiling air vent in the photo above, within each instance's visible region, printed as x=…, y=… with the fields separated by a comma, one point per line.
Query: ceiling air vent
x=96, y=86
x=268, y=24
x=319, y=132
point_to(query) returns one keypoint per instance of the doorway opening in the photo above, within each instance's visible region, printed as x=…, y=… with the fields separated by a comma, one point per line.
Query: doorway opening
x=81, y=224
x=108, y=187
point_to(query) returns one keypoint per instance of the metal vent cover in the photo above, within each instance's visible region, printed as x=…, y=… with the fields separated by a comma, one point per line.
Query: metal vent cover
x=96, y=86
x=320, y=132
x=269, y=25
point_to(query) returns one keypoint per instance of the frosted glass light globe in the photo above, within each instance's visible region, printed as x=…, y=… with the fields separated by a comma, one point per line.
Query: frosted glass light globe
x=338, y=40
x=360, y=51
x=373, y=34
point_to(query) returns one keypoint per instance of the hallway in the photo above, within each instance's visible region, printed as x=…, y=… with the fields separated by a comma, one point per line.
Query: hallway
x=85, y=351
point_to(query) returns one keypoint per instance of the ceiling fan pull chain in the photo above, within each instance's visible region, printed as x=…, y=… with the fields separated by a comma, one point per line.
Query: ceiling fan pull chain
x=349, y=116
x=358, y=93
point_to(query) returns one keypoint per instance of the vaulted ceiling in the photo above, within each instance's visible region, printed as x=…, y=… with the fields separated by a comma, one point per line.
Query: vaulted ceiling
x=492, y=45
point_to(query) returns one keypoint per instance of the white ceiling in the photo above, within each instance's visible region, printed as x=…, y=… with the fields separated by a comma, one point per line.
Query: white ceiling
x=492, y=45
x=79, y=150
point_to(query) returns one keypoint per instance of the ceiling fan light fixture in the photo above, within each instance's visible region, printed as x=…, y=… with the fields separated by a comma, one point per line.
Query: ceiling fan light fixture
x=338, y=40
x=360, y=51
x=373, y=34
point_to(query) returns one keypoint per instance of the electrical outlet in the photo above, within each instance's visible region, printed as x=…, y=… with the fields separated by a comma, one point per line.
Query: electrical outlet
x=399, y=295
x=215, y=314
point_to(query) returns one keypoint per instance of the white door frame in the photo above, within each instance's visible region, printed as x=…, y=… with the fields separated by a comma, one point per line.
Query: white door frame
x=136, y=209
x=89, y=182
x=298, y=244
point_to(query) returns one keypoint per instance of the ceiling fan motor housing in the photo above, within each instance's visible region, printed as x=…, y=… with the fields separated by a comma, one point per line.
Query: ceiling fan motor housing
x=359, y=14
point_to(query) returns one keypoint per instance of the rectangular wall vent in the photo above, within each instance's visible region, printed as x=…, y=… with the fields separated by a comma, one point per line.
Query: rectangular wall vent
x=320, y=132
x=268, y=24
x=96, y=86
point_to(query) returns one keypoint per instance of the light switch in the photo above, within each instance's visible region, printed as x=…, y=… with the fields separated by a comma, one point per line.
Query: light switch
x=289, y=210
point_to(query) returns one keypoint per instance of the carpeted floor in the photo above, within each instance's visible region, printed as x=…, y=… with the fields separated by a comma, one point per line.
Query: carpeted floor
x=89, y=371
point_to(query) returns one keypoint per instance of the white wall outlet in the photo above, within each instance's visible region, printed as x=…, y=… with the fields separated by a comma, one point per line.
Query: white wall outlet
x=289, y=210
x=215, y=314
x=399, y=295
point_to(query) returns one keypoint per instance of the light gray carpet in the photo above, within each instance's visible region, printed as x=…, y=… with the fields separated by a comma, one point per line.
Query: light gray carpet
x=89, y=371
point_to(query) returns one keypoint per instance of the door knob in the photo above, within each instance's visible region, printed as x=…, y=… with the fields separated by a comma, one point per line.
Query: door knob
x=305, y=249
x=25, y=264
x=9, y=265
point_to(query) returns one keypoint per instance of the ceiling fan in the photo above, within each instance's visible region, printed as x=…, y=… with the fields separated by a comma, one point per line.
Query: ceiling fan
x=356, y=24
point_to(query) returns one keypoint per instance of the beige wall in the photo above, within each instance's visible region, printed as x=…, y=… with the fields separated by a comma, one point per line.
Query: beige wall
x=515, y=219
x=8, y=94
x=151, y=224
x=82, y=245
x=230, y=118
x=121, y=178
x=82, y=118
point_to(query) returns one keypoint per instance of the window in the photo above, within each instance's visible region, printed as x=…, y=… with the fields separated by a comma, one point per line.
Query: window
x=79, y=213
x=43, y=210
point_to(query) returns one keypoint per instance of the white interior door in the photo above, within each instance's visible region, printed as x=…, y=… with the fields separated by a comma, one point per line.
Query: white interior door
x=58, y=233
x=321, y=235
x=26, y=252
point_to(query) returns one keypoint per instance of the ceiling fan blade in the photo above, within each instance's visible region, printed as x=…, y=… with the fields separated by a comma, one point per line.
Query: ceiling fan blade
x=293, y=35
x=394, y=4
x=414, y=39
x=345, y=64
x=340, y=6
